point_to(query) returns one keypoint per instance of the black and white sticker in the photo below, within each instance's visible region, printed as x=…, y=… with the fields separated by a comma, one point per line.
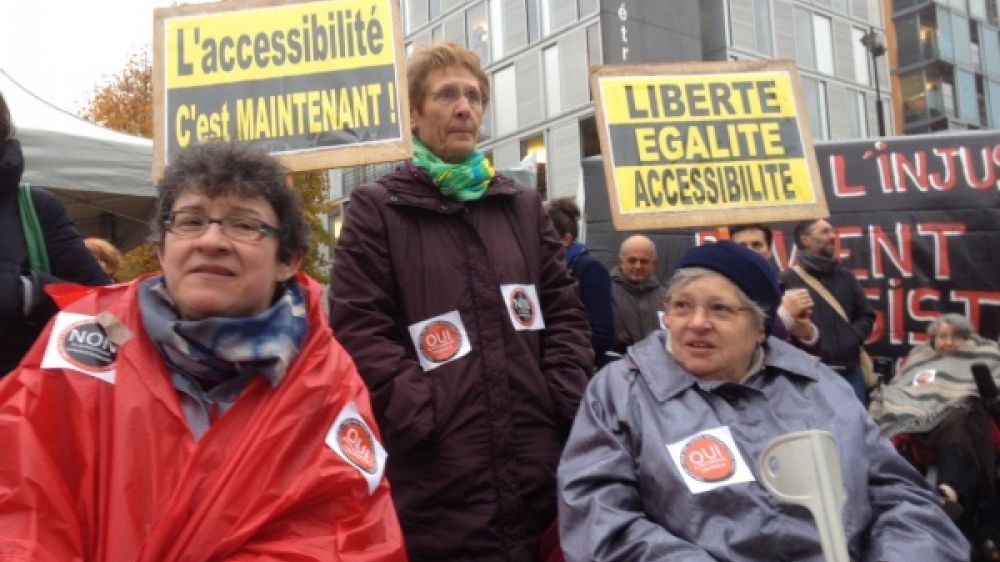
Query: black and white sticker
x=78, y=342
x=523, y=307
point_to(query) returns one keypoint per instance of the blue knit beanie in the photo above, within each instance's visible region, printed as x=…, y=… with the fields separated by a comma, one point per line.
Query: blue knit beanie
x=745, y=268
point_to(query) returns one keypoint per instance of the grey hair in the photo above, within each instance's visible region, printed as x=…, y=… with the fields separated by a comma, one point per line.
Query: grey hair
x=682, y=277
x=963, y=328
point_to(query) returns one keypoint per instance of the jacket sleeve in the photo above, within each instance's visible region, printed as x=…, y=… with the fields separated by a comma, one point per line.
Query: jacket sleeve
x=595, y=292
x=601, y=516
x=862, y=313
x=363, y=311
x=43, y=471
x=567, y=358
x=907, y=520
x=68, y=256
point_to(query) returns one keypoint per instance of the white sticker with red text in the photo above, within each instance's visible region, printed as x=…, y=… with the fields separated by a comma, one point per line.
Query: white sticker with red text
x=440, y=340
x=352, y=439
x=709, y=459
x=926, y=376
x=523, y=307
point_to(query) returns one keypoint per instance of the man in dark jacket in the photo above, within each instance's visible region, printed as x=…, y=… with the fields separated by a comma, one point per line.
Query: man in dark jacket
x=451, y=295
x=24, y=305
x=636, y=293
x=842, y=339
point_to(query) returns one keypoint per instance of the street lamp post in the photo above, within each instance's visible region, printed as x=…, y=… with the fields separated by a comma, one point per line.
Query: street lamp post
x=876, y=48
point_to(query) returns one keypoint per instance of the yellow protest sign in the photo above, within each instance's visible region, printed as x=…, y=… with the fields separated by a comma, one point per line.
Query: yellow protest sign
x=703, y=144
x=317, y=83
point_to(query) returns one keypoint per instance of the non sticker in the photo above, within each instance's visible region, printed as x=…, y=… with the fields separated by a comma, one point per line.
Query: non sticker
x=79, y=342
x=708, y=460
x=352, y=439
x=523, y=307
x=440, y=340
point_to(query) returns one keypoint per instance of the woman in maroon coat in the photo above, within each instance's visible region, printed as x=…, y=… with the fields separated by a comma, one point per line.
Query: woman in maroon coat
x=449, y=291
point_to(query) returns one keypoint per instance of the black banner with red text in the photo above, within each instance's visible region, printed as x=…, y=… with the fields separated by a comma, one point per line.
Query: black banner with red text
x=918, y=222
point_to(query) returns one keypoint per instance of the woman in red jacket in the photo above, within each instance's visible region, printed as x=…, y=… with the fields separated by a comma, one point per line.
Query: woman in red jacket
x=205, y=413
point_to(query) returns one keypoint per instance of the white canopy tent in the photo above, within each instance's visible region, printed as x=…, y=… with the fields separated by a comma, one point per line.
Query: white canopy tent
x=103, y=177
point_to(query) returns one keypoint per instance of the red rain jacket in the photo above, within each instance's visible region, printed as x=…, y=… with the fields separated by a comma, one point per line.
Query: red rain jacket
x=103, y=471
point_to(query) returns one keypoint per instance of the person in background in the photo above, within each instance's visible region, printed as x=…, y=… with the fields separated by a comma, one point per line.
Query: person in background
x=793, y=323
x=592, y=276
x=450, y=292
x=842, y=339
x=662, y=462
x=636, y=293
x=205, y=413
x=24, y=305
x=107, y=256
x=933, y=412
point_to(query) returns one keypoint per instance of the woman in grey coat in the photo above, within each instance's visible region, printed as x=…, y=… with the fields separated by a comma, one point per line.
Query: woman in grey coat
x=661, y=463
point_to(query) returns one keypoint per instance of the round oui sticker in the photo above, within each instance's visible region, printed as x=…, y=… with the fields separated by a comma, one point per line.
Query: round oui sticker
x=86, y=347
x=923, y=377
x=440, y=341
x=522, y=308
x=707, y=459
x=357, y=444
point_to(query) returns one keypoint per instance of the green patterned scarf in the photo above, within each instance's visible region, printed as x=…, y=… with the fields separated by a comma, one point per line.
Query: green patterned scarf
x=464, y=182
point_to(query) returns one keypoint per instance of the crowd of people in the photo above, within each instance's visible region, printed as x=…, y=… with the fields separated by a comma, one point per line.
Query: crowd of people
x=477, y=387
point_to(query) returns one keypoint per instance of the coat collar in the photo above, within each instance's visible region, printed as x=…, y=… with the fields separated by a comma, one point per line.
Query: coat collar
x=410, y=186
x=666, y=378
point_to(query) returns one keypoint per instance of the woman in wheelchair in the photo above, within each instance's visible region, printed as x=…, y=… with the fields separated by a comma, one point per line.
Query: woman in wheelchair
x=936, y=414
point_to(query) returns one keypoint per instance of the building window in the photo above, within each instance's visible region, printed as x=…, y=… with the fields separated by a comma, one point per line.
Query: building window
x=550, y=62
x=762, y=27
x=823, y=35
x=496, y=28
x=535, y=147
x=993, y=101
x=504, y=106
x=434, y=9
x=814, y=93
x=534, y=20
x=545, y=16
x=977, y=9
x=595, y=56
x=804, y=51
x=968, y=101
x=477, y=32
x=861, y=73
x=858, y=109
x=590, y=142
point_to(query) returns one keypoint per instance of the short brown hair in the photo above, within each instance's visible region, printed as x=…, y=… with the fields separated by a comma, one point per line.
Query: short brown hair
x=7, y=130
x=428, y=58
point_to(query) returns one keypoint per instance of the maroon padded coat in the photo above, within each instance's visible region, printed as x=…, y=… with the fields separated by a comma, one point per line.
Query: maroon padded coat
x=473, y=443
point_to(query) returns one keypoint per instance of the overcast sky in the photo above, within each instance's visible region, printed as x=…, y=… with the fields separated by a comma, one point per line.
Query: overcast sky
x=62, y=49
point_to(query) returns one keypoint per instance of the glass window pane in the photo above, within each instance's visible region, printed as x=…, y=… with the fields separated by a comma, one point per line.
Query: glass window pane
x=477, y=32
x=545, y=16
x=946, y=45
x=907, y=37
x=991, y=49
x=968, y=102
x=762, y=26
x=496, y=28
x=914, y=97
x=993, y=100
x=434, y=7
x=823, y=34
x=977, y=9
x=804, y=39
x=862, y=108
x=862, y=74
x=960, y=36
x=505, y=106
x=534, y=20
x=811, y=96
x=550, y=60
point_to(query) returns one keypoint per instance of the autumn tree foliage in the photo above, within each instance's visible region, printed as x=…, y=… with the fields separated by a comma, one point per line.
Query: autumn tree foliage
x=125, y=103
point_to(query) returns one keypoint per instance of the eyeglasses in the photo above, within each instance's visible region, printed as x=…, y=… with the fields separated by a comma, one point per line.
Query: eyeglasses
x=189, y=224
x=450, y=94
x=717, y=311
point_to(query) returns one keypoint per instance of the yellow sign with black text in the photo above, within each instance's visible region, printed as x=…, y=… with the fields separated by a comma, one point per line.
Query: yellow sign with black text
x=317, y=83
x=704, y=144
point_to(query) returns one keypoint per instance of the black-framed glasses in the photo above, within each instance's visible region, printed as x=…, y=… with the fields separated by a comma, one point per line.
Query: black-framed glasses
x=188, y=224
